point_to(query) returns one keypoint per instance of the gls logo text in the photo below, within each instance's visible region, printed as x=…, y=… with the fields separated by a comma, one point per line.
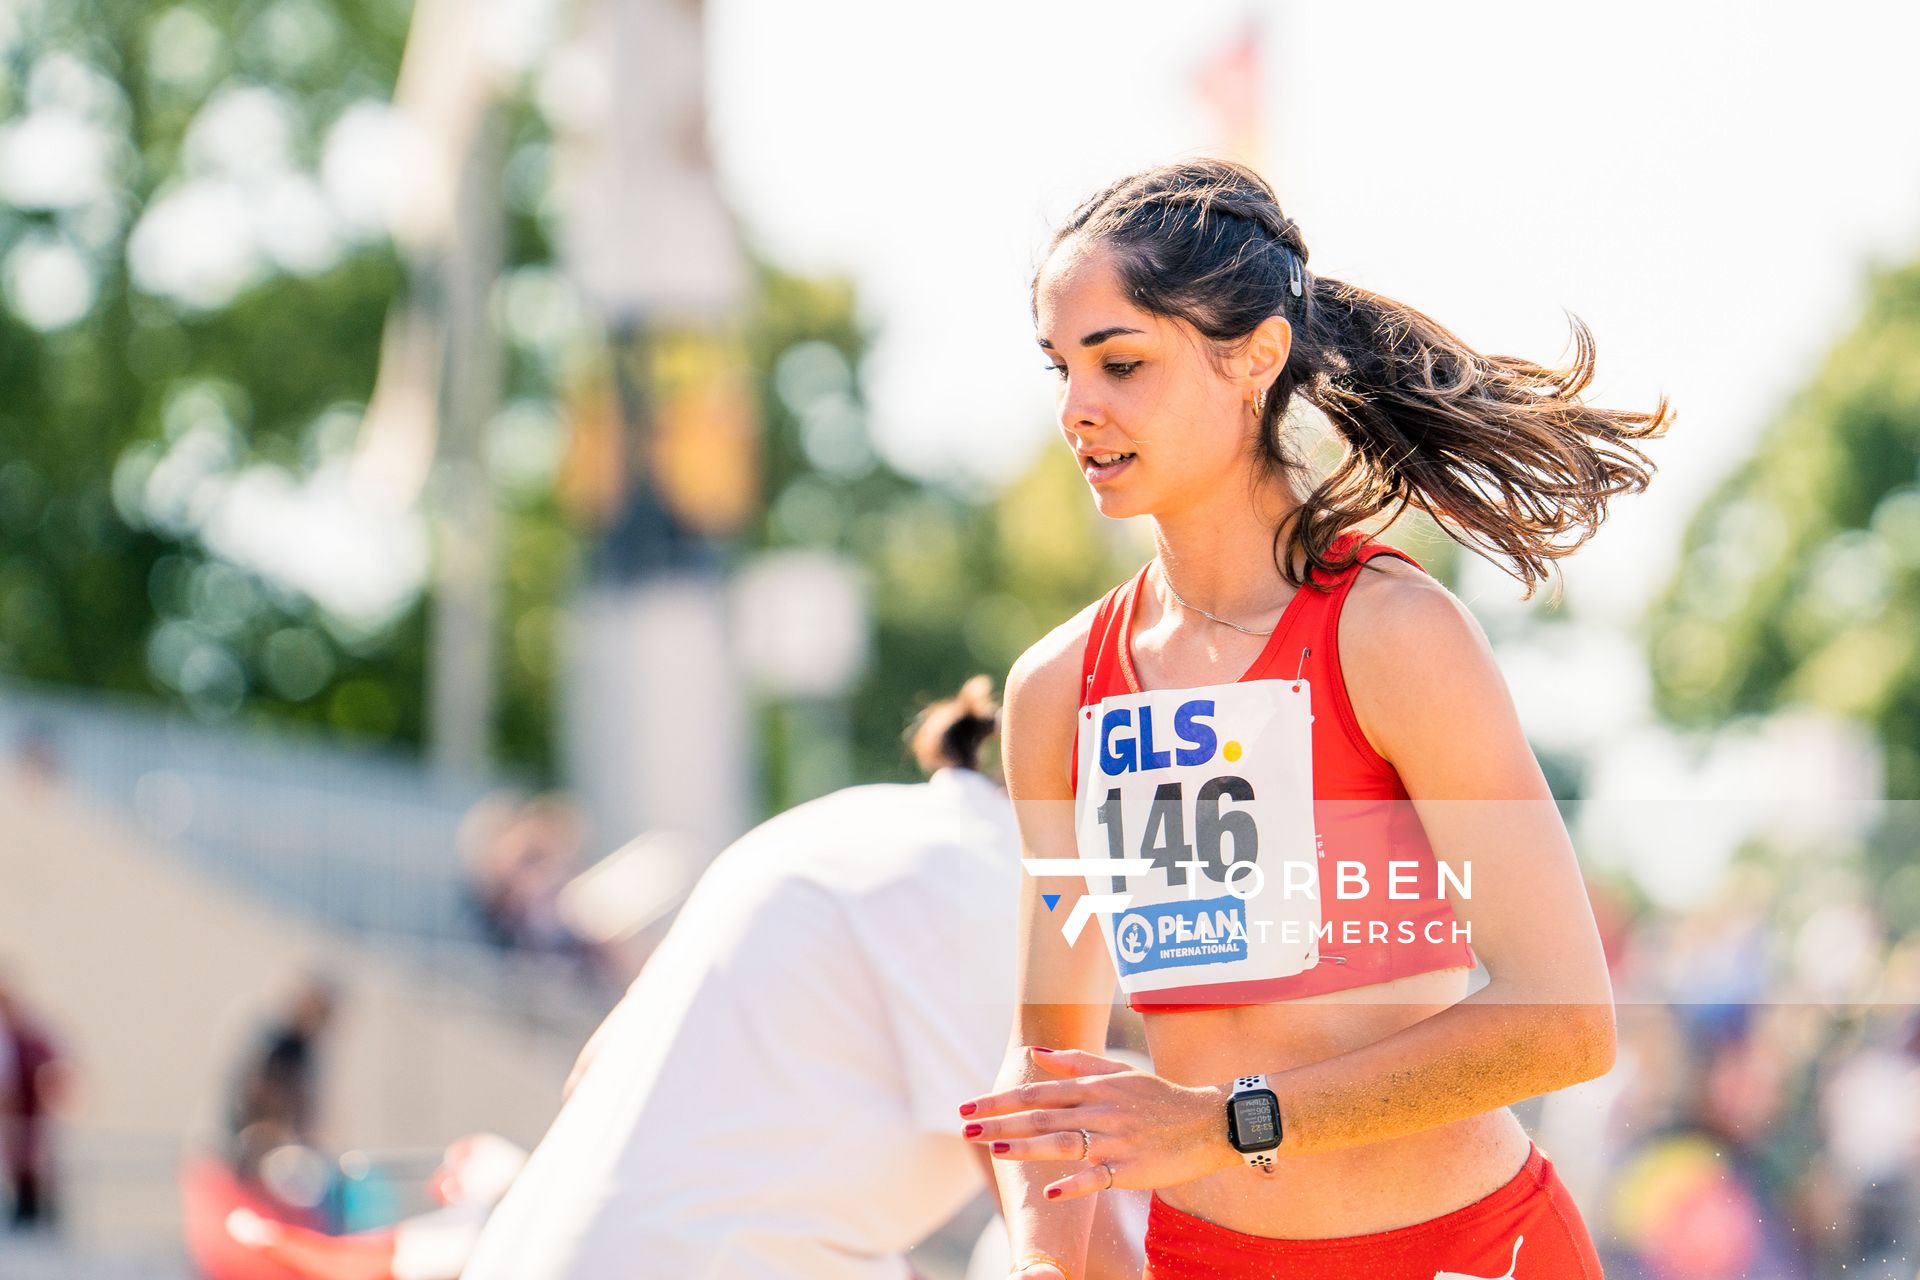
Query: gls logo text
x=1127, y=747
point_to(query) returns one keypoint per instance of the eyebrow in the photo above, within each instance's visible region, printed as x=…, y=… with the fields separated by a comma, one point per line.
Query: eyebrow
x=1097, y=337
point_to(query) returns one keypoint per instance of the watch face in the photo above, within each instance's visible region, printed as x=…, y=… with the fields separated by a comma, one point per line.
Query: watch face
x=1256, y=1119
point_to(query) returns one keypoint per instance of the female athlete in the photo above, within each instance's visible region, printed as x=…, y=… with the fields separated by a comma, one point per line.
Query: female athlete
x=1326, y=1099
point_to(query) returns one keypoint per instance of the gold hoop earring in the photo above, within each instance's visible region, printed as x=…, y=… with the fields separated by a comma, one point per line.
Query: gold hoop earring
x=1260, y=402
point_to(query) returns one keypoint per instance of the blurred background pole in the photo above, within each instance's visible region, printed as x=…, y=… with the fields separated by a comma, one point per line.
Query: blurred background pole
x=462, y=675
x=655, y=724
x=439, y=381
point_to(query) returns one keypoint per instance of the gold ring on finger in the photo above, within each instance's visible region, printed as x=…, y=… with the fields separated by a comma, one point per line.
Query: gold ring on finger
x=1086, y=1143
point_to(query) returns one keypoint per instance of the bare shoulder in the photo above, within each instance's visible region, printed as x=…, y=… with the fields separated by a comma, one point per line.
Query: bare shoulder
x=1037, y=715
x=1412, y=653
x=1401, y=617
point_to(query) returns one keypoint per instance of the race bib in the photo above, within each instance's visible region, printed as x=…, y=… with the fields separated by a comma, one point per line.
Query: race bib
x=1213, y=788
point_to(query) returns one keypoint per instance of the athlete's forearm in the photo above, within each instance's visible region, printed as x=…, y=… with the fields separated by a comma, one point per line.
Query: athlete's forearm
x=1473, y=1057
x=1035, y=1224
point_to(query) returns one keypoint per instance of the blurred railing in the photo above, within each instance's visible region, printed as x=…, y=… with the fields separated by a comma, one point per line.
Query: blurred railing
x=362, y=842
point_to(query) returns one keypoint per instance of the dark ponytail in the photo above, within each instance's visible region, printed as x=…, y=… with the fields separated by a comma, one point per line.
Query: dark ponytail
x=1502, y=452
x=950, y=733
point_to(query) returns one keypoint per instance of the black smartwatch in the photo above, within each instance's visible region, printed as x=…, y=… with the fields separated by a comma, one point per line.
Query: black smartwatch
x=1253, y=1121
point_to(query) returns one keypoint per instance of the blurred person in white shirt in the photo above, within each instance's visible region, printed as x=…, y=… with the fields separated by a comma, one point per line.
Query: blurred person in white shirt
x=774, y=1098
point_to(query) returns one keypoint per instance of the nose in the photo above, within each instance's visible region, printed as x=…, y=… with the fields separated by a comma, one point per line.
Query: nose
x=1080, y=409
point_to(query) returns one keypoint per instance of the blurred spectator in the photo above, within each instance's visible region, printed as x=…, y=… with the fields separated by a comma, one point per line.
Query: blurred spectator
x=36, y=756
x=1869, y=1177
x=519, y=858
x=1757, y=1127
x=1699, y=1196
x=31, y=1082
x=276, y=1094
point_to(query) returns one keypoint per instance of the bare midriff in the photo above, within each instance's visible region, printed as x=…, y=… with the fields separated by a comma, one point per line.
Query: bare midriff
x=1357, y=1190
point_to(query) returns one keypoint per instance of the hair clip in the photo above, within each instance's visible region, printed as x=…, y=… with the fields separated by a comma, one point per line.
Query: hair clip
x=1294, y=272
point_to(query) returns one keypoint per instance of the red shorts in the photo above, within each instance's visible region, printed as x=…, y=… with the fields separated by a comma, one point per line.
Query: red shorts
x=1528, y=1229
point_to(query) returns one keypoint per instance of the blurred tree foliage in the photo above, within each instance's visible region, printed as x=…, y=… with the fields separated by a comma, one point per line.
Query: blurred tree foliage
x=196, y=302
x=194, y=308
x=133, y=401
x=1800, y=578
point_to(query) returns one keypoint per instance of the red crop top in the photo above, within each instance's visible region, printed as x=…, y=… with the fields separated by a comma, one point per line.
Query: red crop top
x=1361, y=813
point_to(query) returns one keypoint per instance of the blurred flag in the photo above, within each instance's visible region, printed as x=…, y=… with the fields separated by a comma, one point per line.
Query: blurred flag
x=706, y=433
x=594, y=467
x=1229, y=86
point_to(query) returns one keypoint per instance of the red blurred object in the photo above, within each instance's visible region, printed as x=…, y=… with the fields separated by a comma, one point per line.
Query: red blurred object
x=209, y=1193
x=235, y=1233
x=311, y=1255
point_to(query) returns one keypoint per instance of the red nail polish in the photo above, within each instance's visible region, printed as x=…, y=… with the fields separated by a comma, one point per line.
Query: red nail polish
x=1000, y=1147
x=973, y=1131
x=1052, y=1192
x=1038, y=1049
x=967, y=1108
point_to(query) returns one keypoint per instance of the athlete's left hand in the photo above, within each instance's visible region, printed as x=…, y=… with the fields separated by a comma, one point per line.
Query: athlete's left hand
x=1149, y=1131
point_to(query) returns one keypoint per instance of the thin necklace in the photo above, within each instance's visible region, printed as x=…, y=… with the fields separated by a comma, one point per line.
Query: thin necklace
x=1214, y=616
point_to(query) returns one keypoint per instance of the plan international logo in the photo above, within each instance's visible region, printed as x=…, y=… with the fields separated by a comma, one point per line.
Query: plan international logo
x=1181, y=933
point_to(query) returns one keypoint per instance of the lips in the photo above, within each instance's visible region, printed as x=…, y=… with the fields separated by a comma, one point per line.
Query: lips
x=1104, y=466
